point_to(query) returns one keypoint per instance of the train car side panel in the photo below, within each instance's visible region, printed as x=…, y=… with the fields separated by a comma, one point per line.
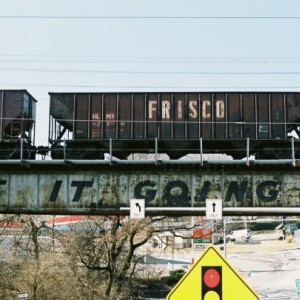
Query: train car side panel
x=277, y=116
x=132, y=121
x=234, y=117
x=124, y=119
x=81, y=117
x=206, y=115
x=263, y=126
x=139, y=111
x=12, y=114
x=62, y=109
x=219, y=116
x=293, y=110
x=166, y=116
x=96, y=117
x=153, y=112
x=249, y=114
x=17, y=124
x=179, y=116
x=193, y=116
x=110, y=116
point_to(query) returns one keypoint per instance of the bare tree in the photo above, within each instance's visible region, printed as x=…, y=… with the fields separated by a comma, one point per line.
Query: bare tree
x=99, y=257
x=106, y=249
x=28, y=265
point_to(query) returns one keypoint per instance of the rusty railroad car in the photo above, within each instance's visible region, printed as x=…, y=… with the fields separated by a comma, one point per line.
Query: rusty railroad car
x=87, y=125
x=17, y=124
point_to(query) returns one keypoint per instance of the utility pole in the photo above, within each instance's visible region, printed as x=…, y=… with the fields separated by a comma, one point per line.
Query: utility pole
x=224, y=237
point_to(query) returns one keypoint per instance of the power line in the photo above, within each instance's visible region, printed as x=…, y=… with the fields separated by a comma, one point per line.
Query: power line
x=149, y=17
x=146, y=57
x=40, y=58
x=154, y=60
x=157, y=87
x=154, y=72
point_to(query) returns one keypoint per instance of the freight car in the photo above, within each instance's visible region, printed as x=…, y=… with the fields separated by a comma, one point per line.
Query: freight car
x=87, y=125
x=17, y=124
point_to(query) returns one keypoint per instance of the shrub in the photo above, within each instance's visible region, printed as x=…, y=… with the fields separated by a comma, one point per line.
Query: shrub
x=175, y=276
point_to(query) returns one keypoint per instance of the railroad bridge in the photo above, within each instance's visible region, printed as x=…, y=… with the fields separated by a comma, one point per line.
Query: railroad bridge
x=169, y=187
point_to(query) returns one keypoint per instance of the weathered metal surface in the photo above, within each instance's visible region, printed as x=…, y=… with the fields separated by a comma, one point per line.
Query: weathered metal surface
x=17, y=112
x=184, y=116
x=17, y=120
x=106, y=190
x=133, y=120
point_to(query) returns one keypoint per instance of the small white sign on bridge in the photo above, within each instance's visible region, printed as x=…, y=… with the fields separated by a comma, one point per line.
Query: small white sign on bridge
x=137, y=208
x=214, y=209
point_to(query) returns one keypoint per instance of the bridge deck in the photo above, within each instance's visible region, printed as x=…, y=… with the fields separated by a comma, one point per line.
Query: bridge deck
x=169, y=187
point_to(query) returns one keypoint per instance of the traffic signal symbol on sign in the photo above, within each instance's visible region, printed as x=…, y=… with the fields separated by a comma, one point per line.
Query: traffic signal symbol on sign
x=211, y=282
x=212, y=278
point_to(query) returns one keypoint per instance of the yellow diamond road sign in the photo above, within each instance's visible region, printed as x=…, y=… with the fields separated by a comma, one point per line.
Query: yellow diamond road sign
x=212, y=278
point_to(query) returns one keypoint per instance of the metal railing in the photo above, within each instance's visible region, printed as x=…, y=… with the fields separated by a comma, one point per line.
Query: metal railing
x=200, y=157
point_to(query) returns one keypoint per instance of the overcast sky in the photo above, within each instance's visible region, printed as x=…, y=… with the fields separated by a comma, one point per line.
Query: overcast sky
x=138, y=45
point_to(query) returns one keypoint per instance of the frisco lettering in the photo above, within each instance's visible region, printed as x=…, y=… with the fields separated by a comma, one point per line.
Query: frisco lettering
x=195, y=110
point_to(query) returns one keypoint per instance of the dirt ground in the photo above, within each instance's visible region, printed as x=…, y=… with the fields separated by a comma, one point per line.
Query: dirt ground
x=262, y=246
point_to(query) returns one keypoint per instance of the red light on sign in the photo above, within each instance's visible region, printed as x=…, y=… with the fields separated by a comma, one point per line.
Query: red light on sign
x=211, y=282
x=211, y=278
